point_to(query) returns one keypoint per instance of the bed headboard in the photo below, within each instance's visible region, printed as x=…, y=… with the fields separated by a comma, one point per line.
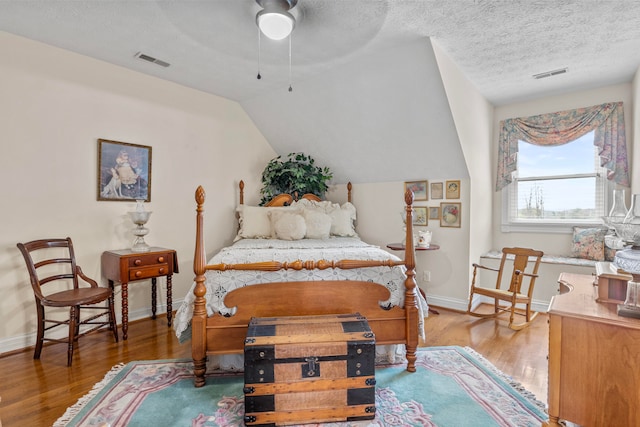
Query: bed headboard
x=287, y=199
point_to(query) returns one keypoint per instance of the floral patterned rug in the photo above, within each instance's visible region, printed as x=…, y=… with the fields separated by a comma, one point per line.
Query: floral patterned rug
x=453, y=386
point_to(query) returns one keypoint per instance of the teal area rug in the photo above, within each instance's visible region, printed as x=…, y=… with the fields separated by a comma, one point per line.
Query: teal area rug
x=453, y=386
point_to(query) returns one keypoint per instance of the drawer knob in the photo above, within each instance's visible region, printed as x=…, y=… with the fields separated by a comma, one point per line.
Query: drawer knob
x=138, y=273
x=160, y=259
x=161, y=270
x=137, y=262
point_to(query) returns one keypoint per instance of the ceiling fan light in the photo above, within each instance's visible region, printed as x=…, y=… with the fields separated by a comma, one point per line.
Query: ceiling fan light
x=275, y=24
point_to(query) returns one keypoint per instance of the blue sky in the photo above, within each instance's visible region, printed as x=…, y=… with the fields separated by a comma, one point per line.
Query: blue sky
x=572, y=158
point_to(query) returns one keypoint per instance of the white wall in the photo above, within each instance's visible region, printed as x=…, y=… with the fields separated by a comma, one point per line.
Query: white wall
x=376, y=109
x=473, y=116
x=380, y=204
x=54, y=106
x=380, y=208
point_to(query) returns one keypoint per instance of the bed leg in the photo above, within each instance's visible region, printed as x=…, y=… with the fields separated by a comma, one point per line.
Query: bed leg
x=411, y=359
x=199, y=369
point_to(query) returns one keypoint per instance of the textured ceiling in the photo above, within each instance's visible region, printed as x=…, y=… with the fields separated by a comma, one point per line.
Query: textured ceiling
x=212, y=44
x=366, y=84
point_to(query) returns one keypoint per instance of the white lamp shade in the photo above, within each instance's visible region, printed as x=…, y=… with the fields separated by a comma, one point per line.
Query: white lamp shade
x=276, y=25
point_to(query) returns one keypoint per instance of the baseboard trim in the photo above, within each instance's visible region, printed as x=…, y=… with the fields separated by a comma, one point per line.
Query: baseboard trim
x=461, y=305
x=20, y=342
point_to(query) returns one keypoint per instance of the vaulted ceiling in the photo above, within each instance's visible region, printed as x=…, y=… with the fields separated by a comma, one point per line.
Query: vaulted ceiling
x=366, y=85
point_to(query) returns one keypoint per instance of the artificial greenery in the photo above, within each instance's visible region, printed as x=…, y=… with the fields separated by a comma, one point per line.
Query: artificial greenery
x=296, y=172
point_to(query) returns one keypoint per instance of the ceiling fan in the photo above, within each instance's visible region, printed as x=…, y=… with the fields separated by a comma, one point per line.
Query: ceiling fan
x=274, y=20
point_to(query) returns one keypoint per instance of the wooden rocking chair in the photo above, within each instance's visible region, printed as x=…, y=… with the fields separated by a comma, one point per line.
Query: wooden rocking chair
x=518, y=290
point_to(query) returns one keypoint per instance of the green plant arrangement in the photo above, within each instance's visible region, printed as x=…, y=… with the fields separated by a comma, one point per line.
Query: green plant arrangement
x=296, y=172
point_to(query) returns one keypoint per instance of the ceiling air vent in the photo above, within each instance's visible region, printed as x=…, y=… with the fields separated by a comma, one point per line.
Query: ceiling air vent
x=550, y=73
x=151, y=59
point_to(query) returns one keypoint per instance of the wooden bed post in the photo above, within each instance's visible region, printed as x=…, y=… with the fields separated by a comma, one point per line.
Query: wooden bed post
x=199, y=321
x=349, y=186
x=410, y=301
x=241, y=186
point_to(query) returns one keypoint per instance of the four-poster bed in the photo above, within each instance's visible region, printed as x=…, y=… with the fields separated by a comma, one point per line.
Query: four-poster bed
x=300, y=286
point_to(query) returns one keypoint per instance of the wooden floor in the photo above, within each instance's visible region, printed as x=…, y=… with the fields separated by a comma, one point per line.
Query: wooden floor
x=37, y=392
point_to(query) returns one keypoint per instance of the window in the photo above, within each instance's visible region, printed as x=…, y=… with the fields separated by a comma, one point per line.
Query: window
x=556, y=187
x=554, y=180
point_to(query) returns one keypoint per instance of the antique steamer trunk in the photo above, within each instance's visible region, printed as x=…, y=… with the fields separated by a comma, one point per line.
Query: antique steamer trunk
x=309, y=369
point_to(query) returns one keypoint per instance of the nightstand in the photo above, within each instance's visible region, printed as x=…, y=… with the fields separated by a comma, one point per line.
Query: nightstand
x=431, y=247
x=124, y=266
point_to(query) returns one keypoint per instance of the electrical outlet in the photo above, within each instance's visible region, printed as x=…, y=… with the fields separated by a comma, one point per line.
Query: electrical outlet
x=426, y=276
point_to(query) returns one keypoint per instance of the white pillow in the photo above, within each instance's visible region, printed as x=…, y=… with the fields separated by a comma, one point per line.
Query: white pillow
x=255, y=222
x=323, y=206
x=342, y=219
x=318, y=224
x=287, y=225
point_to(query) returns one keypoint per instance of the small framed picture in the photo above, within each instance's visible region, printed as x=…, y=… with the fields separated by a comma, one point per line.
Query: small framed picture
x=450, y=214
x=420, y=215
x=453, y=189
x=124, y=171
x=434, y=212
x=419, y=188
x=436, y=190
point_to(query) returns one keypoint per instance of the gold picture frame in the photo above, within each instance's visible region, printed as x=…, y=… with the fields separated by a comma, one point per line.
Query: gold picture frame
x=437, y=190
x=420, y=189
x=453, y=189
x=434, y=212
x=420, y=216
x=450, y=214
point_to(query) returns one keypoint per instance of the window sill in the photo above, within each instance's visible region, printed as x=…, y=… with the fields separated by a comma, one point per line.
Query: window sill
x=551, y=228
x=549, y=259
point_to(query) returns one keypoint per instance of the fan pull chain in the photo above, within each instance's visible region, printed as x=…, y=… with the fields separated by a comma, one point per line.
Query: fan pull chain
x=290, y=87
x=259, y=46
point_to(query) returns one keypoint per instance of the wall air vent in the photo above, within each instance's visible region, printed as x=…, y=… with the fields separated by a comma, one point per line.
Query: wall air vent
x=151, y=59
x=550, y=73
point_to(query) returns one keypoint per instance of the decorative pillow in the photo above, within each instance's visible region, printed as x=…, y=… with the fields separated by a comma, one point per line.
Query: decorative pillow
x=323, y=206
x=288, y=225
x=588, y=243
x=255, y=222
x=318, y=224
x=342, y=219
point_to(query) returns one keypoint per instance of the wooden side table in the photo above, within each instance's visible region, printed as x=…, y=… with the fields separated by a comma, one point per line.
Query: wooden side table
x=124, y=266
x=431, y=247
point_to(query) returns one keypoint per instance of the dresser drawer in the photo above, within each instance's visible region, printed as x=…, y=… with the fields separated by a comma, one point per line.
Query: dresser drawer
x=148, y=260
x=149, y=271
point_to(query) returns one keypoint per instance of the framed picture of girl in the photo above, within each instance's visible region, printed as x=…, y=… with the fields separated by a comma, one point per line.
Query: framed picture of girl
x=124, y=171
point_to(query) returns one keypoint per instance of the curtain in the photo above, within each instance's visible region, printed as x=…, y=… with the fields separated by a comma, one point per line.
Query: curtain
x=562, y=127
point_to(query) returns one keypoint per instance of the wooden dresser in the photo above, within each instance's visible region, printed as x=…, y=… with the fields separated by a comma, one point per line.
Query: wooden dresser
x=594, y=359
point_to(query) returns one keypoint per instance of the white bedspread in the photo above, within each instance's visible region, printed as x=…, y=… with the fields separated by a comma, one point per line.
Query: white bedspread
x=219, y=283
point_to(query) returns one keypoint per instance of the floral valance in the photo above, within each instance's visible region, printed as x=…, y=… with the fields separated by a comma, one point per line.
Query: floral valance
x=562, y=127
